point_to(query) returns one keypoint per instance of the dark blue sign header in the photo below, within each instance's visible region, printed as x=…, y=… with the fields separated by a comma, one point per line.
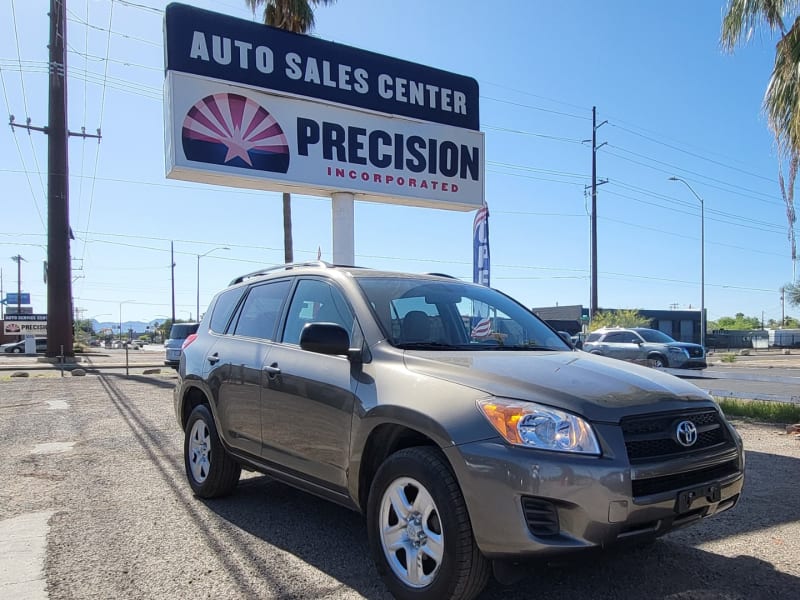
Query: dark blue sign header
x=215, y=45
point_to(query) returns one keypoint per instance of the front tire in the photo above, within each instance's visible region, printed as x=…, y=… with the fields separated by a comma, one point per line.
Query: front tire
x=210, y=469
x=657, y=360
x=419, y=530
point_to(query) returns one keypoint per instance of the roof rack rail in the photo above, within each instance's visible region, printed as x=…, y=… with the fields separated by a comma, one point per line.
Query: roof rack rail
x=286, y=267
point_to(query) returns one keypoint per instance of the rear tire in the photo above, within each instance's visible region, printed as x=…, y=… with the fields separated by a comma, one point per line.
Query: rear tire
x=419, y=530
x=210, y=469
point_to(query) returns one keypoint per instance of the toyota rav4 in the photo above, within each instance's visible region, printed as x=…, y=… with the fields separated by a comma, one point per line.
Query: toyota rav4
x=469, y=433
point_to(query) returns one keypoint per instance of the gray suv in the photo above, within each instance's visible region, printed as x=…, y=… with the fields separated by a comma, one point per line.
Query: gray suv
x=467, y=431
x=646, y=346
x=173, y=344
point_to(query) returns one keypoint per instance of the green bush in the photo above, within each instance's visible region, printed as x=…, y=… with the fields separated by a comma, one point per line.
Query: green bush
x=728, y=357
x=762, y=410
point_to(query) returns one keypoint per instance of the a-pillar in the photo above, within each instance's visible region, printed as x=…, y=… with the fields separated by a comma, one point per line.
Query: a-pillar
x=343, y=228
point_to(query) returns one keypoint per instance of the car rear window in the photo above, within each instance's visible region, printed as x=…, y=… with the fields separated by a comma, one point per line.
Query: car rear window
x=180, y=331
x=223, y=309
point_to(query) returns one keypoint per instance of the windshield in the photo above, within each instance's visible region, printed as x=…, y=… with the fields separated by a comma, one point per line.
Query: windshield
x=444, y=315
x=653, y=335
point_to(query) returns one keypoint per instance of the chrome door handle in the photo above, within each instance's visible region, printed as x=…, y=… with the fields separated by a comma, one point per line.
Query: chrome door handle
x=214, y=358
x=272, y=371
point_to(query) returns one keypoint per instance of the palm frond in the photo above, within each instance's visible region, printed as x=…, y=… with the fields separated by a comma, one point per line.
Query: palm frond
x=743, y=17
x=292, y=15
x=783, y=93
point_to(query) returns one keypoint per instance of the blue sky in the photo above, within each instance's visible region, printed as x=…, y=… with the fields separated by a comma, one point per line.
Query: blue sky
x=675, y=105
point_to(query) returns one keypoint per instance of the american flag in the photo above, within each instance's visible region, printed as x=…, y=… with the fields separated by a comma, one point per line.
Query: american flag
x=482, y=329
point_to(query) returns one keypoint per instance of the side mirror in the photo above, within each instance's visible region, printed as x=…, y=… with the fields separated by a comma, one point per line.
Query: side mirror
x=325, y=338
x=567, y=338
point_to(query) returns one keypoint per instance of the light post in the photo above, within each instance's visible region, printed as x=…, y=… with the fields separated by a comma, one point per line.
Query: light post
x=199, y=256
x=120, y=317
x=702, y=261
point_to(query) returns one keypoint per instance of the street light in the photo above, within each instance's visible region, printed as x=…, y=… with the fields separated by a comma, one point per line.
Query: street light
x=120, y=316
x=702, y=261
x=199, y=256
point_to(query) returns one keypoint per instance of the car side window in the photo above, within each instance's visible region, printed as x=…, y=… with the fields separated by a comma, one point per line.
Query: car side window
x=223, y=309
x=317, y=301
x=261, y=310
x=618, y=338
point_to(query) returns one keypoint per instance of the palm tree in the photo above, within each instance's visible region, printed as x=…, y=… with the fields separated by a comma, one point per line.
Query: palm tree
x=296, y=16
x=783, y=91
x=792, y=293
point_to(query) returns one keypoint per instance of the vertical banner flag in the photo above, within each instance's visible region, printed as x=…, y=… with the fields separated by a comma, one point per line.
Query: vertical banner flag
x=480, y=246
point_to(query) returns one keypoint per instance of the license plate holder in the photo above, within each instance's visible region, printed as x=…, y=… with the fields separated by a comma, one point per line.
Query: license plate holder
x=711, y=492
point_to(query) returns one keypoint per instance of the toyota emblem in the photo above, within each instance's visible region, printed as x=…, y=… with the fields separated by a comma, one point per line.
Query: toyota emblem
x=686, y=433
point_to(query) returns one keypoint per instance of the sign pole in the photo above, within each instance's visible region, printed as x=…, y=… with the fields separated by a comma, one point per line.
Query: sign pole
x=343, y=228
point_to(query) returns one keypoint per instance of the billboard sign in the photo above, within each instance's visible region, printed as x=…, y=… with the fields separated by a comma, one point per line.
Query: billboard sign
x=14, y=298
x=225, y=48
x=25, y=325
x=247, y=138
x=252, y=106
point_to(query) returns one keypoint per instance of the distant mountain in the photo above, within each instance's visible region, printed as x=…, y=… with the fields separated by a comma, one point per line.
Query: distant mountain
x=137, y=326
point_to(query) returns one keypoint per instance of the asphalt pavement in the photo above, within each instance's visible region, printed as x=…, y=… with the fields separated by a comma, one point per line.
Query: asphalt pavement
x=95, y=504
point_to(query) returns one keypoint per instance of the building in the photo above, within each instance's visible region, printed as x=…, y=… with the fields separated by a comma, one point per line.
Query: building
x=681, y=325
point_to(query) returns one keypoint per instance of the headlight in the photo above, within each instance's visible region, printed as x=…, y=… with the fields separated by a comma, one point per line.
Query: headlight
x=536, y=426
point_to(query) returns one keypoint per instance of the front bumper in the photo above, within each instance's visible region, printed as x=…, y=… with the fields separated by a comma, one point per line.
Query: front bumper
x=527, y=503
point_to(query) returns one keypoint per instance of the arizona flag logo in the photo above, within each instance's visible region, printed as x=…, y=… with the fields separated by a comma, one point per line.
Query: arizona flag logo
x=230, y=129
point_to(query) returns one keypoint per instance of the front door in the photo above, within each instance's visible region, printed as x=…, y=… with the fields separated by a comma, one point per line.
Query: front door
x=308, y=398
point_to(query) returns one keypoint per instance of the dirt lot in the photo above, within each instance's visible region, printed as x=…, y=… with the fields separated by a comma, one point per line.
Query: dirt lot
x=100, y=456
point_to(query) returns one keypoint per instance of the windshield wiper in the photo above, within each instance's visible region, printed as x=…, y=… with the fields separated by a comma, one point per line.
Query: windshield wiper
x=427, y=346
x=516, y=347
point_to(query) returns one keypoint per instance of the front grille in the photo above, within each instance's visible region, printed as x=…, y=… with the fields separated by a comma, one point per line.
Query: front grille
x=667, y=483
x=541, y=516
x=654, y=436
x=695, y=352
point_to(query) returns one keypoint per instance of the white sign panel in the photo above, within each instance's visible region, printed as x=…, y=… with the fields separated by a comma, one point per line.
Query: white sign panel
x=244, y=137
x=25, y=325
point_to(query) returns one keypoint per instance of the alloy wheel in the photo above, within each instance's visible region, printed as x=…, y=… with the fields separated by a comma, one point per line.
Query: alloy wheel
x=411, y=532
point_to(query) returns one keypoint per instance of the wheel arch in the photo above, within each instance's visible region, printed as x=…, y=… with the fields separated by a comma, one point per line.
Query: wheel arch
x=193, y=396
x=383, y=441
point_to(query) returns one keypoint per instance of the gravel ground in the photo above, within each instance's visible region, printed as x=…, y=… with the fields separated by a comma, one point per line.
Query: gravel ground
x=125, y=524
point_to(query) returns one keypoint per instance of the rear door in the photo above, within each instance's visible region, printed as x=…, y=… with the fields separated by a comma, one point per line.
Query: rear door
x=622, y=345
x=308, y=397
x=238, y=357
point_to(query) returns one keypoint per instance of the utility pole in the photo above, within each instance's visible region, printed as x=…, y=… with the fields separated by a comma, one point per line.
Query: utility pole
x=783, y=314
x=59, y=286
x=172, y=262
x=593, y=302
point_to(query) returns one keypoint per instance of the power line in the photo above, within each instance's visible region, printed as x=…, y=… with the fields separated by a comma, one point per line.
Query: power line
x=660, y=162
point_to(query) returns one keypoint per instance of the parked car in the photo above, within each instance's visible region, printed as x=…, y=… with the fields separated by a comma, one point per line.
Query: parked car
x=19, y=347
x=177, y=336
x=645, y=345
x=464, y=428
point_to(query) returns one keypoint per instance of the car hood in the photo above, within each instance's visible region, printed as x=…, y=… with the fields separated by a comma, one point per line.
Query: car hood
x=599, y=388
x=686, y=345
